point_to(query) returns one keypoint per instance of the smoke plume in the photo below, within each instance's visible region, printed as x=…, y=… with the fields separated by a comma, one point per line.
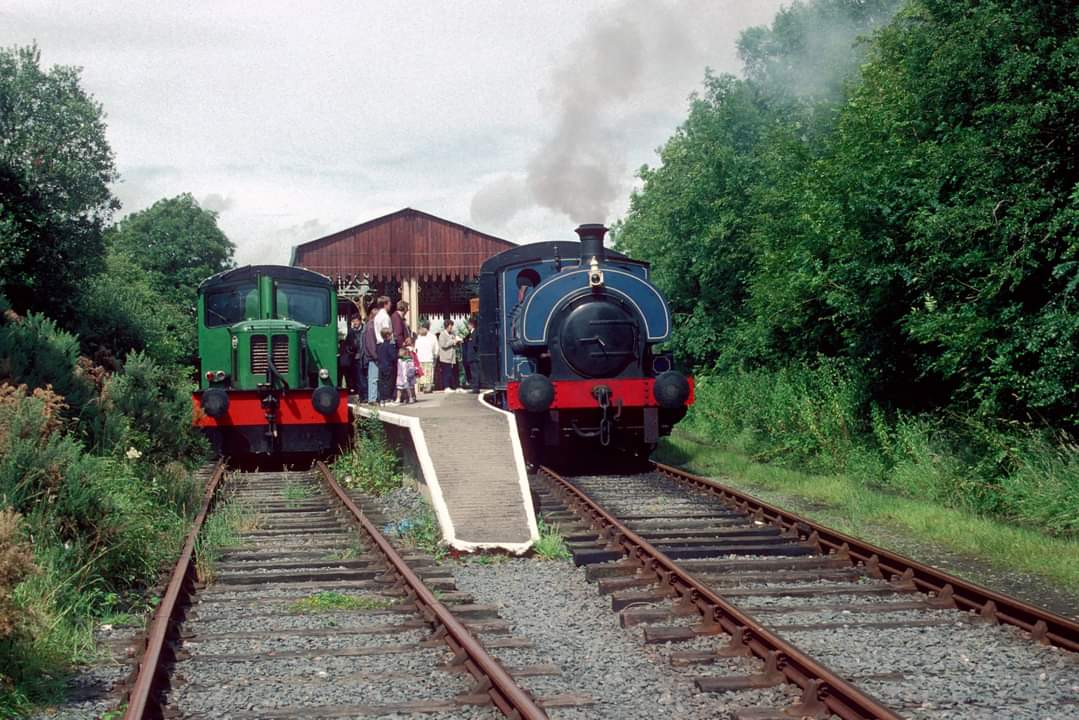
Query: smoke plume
x=637, y=60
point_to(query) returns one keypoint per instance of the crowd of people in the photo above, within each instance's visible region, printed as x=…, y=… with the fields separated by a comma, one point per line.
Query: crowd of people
x=384, y=363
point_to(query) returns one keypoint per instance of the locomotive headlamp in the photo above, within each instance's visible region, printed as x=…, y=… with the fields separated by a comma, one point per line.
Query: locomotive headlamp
x=671, y=390
x=595, y=275
x=235, y=342
x=536, y=393
x=220, y=376
x=325, y=399
x=323, y=374
x=215, y=402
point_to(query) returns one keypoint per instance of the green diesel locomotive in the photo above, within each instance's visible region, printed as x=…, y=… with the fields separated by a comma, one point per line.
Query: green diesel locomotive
x=268, y=380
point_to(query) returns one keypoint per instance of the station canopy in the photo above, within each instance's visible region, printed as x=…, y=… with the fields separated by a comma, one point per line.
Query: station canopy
x=407, y=245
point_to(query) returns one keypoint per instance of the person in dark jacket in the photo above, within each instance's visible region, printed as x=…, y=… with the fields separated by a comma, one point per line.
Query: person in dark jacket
x=352, y=357
x=397, y=322
x=470, y=355
x=387, y=368
x=400, y=329
x=370, y=356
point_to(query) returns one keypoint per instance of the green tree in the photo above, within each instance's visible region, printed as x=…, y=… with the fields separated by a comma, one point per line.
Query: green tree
x=691, y=218
x=177, y=243
x=698, y=216
x=55, y=170
x=940, y=226
x=120, y=313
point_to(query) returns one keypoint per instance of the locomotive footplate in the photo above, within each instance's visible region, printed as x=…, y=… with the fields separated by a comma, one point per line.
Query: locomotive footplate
x=264, y=421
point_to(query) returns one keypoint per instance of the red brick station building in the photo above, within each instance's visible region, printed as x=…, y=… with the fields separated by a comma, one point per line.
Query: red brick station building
x=432, y=263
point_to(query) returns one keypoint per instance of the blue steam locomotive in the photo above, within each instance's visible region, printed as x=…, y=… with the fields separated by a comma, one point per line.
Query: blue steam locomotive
x=567, y=338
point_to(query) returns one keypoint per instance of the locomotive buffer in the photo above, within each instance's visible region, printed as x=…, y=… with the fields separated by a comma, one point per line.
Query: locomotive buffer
x=472, y=469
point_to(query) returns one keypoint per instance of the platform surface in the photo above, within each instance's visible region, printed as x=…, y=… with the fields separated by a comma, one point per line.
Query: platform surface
x=473, y=467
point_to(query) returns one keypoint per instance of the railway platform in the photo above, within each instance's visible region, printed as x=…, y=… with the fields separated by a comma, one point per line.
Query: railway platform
x=469, y=461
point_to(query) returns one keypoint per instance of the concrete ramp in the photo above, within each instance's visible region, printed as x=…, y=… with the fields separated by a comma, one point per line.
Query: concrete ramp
x=471, y=463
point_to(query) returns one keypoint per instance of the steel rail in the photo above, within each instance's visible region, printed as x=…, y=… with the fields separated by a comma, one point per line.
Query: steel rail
x=818, y=683
x=144, y=697
x=1042, y=624
x=492, y=679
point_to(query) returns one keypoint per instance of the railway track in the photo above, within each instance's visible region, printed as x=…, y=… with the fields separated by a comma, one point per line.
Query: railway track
x=316, y=615
x=849, y=629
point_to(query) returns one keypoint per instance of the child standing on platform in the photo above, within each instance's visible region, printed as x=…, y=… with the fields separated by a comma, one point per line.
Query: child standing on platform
x=426, y=347
x=406, y=377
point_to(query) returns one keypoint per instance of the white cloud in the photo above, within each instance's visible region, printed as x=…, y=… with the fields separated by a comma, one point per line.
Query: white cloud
x=292, y=120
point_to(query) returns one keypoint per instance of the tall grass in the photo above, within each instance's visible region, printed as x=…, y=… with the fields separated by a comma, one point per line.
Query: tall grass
x=222, y=529
x=819, y=419
x=370, y=465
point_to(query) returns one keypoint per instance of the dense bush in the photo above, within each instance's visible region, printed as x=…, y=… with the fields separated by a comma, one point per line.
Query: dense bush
x=102, y=527
x=812, y=416
x=120, y=313
x=36, y=353
x=100, y=482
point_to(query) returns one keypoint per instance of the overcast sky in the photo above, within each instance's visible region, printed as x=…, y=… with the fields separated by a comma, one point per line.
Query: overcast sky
x=293, y=120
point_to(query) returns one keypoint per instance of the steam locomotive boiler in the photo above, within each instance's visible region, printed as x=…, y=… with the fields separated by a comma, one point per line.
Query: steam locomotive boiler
x=567, y=341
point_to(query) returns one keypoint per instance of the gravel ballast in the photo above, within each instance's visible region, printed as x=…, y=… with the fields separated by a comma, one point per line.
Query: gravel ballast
x=554, y=606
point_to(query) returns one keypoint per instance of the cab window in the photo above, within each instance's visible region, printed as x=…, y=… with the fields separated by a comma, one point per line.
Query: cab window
x=303, y=303
x=229, y=305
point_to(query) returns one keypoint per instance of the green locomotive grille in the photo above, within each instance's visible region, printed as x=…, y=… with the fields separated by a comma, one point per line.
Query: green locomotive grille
x=279, y=350
x=258, y=354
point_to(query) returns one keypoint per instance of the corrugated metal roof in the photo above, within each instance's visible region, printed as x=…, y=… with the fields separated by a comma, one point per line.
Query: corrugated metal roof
x=407, y=243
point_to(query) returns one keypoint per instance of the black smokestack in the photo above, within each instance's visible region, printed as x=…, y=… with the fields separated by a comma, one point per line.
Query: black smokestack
x=591, y=236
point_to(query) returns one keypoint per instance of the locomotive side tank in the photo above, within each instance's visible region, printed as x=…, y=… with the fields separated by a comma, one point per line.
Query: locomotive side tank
x=268, y=379
x=568, y=332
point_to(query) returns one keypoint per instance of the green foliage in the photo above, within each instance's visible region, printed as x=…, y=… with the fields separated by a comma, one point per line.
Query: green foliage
x=871, y=247
x=102, y=529
x=36, y=353
x=152, y=405
x=55, y=171
x=551, y=545
x=120, y=313
x=812, y=416
x=812, y=420
x=904, y=202
x=177, y=244
x=330, y=601
x=370, y=465
x=103, y=522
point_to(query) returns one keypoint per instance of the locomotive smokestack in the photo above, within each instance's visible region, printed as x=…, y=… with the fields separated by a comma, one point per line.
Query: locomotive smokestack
x=591, y=236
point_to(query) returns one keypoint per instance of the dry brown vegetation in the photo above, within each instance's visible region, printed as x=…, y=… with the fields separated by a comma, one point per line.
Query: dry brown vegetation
x=16, y=563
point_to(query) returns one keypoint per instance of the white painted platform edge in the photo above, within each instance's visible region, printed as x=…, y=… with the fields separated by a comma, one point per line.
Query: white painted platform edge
x=519, y=461
x=430, y=477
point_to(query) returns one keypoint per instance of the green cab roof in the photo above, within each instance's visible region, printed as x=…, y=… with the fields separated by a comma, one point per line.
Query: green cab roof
x=251, y=272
